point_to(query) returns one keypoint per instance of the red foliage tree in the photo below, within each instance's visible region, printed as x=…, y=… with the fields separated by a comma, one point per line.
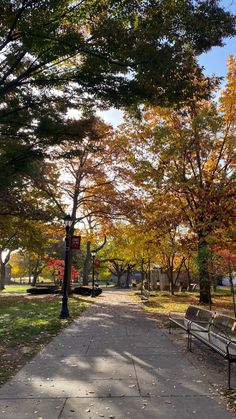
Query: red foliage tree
x=58, y=268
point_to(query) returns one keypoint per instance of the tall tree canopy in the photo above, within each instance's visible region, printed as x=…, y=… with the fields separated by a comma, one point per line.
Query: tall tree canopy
x=108, y=47
x=61, y=54
x=189, y=156
x=104, y=52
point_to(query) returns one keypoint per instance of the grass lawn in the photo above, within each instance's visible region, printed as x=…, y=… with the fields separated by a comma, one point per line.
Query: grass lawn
x=15, y=288
x=27, y=323
x=163, y=302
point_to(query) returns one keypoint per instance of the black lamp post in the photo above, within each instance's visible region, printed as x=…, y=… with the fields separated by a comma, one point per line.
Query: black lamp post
x=64, y=309
x=93, y=253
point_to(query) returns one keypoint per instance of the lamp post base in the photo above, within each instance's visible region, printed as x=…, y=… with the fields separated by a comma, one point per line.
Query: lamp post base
x=64, y=310
x=93, y=295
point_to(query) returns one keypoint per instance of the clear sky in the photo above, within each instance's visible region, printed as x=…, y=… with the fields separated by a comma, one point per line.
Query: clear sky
x=215, y=60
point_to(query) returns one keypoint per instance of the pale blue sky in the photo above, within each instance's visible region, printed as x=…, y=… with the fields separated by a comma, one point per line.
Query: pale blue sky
x=215, y=60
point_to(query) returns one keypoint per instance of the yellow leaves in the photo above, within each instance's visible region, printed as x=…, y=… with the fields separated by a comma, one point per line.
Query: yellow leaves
x=90, y=237
x=210, y=164
x=228, y=97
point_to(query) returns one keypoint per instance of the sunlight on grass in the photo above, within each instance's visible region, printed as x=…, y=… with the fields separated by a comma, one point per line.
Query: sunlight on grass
x=26, y=318
x=163, y=302
x=15, y=288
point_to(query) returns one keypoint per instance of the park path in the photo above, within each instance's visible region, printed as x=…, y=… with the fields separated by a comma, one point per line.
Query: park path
x=112, y=362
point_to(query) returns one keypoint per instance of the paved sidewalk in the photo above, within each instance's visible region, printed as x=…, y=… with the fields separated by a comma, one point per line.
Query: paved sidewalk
x=114, y=363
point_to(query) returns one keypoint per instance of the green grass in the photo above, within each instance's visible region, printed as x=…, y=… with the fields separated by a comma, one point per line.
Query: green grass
x=15, y=288
x=27, y=324
x=25, y=279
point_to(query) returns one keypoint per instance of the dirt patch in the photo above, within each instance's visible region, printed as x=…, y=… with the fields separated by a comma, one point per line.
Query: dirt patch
x=161, y=320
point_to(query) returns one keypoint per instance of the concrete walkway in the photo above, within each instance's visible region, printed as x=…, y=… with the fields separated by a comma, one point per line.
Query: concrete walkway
x=114, y=363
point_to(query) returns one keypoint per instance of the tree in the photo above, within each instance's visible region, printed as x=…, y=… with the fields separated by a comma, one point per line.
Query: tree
x=163, y=236
x=39, y=242
x=96, y=43
x=189, y=154
x=229, y=263
x=65, y=54
x=129, y=247
x=62, y=55
x=93, y=50
x=56, y=267
x=89, y=182
x=19, y=264
x=10, y=239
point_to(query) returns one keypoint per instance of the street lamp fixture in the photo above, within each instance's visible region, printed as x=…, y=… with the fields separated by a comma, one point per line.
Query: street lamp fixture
x=64, y=309
x=93, y=253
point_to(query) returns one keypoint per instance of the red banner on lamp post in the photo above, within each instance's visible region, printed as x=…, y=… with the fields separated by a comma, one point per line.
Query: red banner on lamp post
x=75, y=242
x=97, y=263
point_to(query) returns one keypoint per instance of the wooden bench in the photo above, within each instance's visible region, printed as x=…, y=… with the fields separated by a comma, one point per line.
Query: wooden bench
x=215, y=330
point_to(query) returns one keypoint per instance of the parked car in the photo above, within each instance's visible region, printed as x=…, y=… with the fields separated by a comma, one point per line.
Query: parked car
x=226, y=281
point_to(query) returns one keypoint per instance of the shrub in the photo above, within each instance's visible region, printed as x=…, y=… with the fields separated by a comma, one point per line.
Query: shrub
x=86, y=291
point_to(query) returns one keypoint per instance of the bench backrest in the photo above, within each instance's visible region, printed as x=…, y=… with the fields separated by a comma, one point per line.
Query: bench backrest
x=222, y=331
x=224, y=326
x=197, y=314
x=216, y=328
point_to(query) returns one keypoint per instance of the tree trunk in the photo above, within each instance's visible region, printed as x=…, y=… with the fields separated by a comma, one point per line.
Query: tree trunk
x=3, y=270
x=204, y=278
x=7, y=277
x=142, y=274
x=232, y=286
x=86, y=265
x=128, y=276
x=179, y=271
x=119, y=275
x=37, y=271
x=30, y=270
x=233, y=294
x=171, y=281
x=188, y=275
x=35, y=278
x=142, y=280
x=2, y=276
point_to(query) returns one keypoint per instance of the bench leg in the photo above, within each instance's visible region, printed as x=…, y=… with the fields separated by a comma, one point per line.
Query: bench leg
x=169, y=328
x=229, y=373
